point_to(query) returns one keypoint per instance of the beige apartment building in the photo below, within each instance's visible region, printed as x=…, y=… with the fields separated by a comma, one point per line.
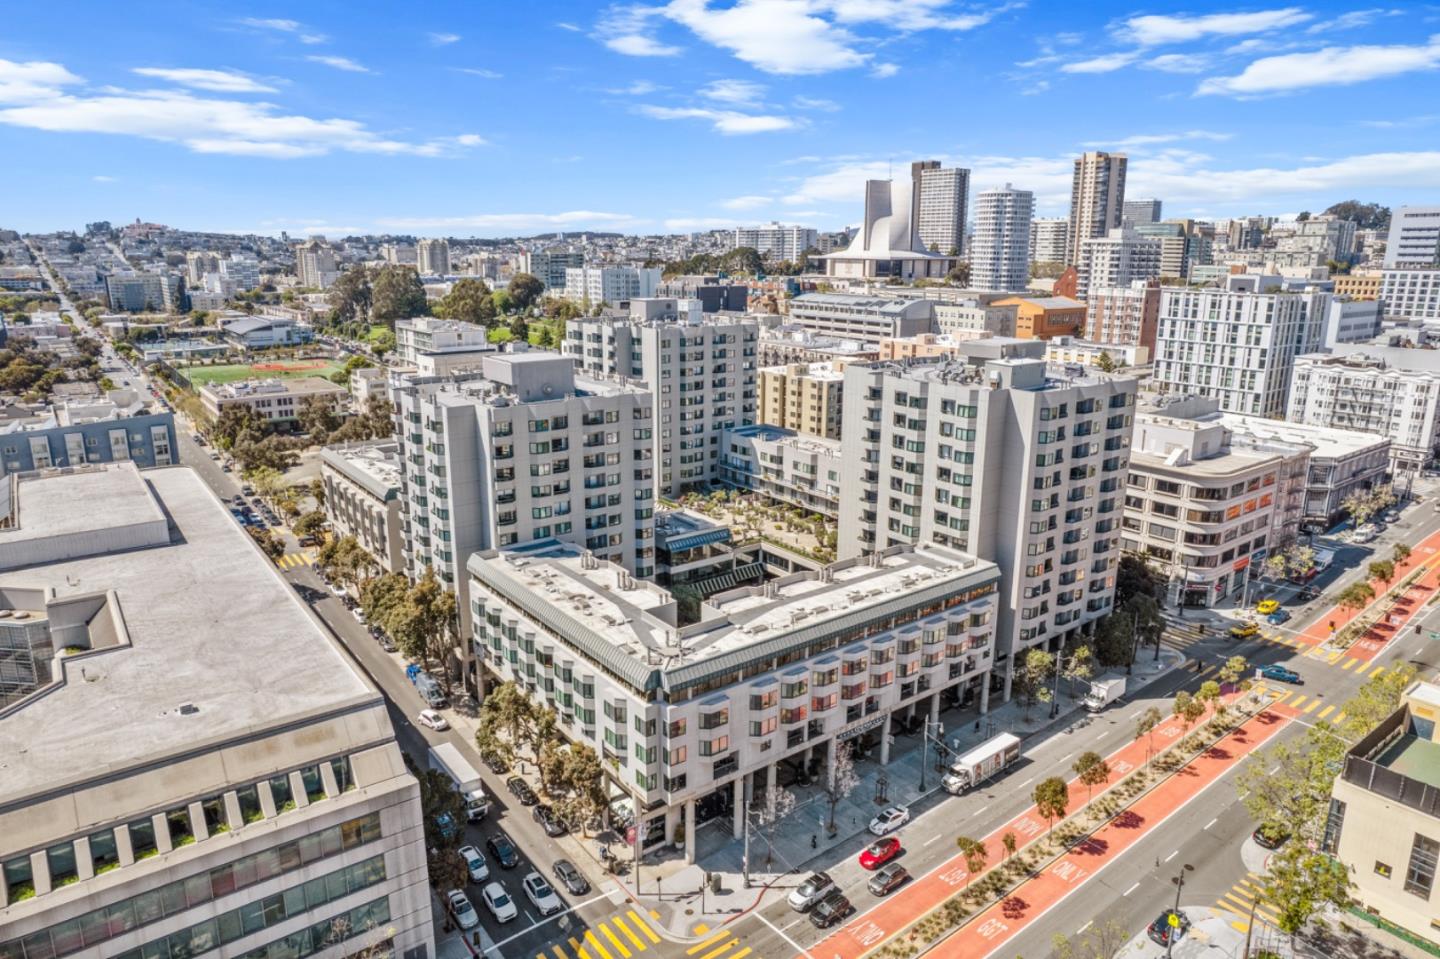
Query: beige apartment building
x=804, y=397
x=362, y=498
x=276, y=401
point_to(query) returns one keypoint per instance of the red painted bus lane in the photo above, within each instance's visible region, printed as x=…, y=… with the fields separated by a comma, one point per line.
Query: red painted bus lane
x=1427, y=553
x=996, y=925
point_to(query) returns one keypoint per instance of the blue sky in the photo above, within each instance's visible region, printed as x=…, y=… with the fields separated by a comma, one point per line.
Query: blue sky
x=497, y=118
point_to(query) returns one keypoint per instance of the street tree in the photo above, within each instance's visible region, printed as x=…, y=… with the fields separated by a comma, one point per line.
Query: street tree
x=1079, y=666
x=1382, y=570
x=310, y=524
x=1051, y=798
x=1092, y=770
x=1009, y=842
x=974, y=853
x=397, y=294
x=1134, y=576
x=268, y=542
x=1356, y=596
x=1145, y=726
x=317, y=418
x=1034, y=677
x=843, y=779
x=423, y=624
x=380, y=596
x=524, y=290
x=273, y=452
x=1300, y=881
x=1105, y=939
x=469, y=301
x=351, y=296
x=1360, y=505
x=1375, y=700
x=1301, y=561
x=774, y=812
x=1209, y=695
x=1287, y=787
x=509, y=713
x=1233, y=673
x=1400, y=553
x=586, y=796
x=1187, y=708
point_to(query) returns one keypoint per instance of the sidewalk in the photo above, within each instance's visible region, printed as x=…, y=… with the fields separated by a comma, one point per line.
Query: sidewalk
x=682, y=907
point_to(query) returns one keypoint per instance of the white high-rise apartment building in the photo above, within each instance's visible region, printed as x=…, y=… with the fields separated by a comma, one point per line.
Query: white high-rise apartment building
x=432, y=257
x=1237, y=343
x=612, y=285
x=940, y=201
x=398, y=254
x=517, y=447
x=1001, y=458
x=243, y=271
x=315, y=263
x=1047, y=240
x=700, y=370
x=1414, y=238
x=1118, y=258
x=1000, y=253
x=1097, y=197
x=549, y=266
x=1411, y=293
x=198, y=263
x=1387, y=391
x=775, y=241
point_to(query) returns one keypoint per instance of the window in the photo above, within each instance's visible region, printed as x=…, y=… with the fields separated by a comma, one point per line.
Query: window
x=344, y=777
x=142, y=838
x=250, y=810
x=18, y=880
x=677, y=728
x=714, y=747
x=1382, y=869
x=1420, y=876
x=764, y=727
x=63, y=869
x=712, y=720
x=280, y=792
x=314, y=784
x=104, y=855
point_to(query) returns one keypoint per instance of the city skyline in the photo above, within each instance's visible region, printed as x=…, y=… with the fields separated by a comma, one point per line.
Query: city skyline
x=448, y=124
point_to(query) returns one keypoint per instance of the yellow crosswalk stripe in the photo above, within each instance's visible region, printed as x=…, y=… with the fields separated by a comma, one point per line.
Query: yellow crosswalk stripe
x=1314, y=705
x=1280, y=696
x=706, y=943
x=594, y=943
x=615, y=941
x=723, y=948
x=742, y=953
x=1335, y=655
x=579, y=949
x=1325, y=712
x=1338, y=717
x=643, y=926
x=559, y=952
x=1298, y=701
x=620, y=924
x=1243, y=908
x=1376, y=672
x=1350, y=664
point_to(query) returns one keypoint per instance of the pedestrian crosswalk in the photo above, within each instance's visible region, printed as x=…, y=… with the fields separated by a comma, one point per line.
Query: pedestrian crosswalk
x=1313, y=706
x=718, y=945
x=619, y=936
x=1340, y=659
x=1247, y=898
x=294, y=560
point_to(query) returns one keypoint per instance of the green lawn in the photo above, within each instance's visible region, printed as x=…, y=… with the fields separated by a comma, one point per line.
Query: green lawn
x=230, y=372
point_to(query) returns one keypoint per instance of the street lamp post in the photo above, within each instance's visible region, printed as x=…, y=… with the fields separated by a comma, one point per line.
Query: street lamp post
x=1179, y=882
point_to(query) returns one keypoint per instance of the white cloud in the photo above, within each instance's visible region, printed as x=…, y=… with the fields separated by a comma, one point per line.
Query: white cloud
x=285, y=26
x=639, y=45
x=443, y=39
x=747, y=202
x=1332, y=66
x=1353, y=19
x=40, y=96
x=696, y=224
x=626, y=29
x=1182, y=179
x=639, y=88
x=1152, y=139
x=1178, y=63
x=480, y=72
x=882, y=71
x=1106, y=63
x=568, y=26
x=914, y=15
x=1404, y=123
x=101, y=178
x=1155, y=29
x=219, y=81
x=571, y=219
x=738, y=92
x=728, y=122
x=340, y=63
x=816, y=103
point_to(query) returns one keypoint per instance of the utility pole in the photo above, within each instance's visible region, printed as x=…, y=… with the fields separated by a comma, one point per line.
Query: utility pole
x=924, y=752
x=1179, y=882
x=1055, y=696
x=745, y=856
x=1134, y=643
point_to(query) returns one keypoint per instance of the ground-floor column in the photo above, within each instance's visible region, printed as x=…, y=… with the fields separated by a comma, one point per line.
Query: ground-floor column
x=690, y=837
x=770, y=789
x=985, y=693
x=885, y=741
x=739, y=808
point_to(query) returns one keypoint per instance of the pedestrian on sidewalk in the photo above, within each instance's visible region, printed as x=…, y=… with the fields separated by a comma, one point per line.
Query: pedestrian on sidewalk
x=813, y=843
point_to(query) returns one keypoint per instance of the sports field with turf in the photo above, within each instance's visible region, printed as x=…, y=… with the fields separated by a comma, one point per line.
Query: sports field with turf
x=274, y=369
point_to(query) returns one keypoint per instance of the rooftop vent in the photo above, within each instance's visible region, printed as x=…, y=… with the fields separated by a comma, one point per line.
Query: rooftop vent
x=188, y=709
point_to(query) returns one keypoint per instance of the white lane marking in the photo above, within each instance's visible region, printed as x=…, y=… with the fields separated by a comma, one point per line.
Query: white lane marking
x=781, y=933
x=580, y=905
x=1212, y=822
x=1081, y=930
x=1273, y=770
x=1026, y=782
x=976, y=813
x=930, y=840
x=1066, y=757
x=1172, y=855
x=1131, y=889
x=1136, y=713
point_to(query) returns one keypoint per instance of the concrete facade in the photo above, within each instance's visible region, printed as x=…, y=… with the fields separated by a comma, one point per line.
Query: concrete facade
x=1097, y=197
x=79, y=433
x=1372, y=393
x=804, y=397
x=1123, y=315
x=277, y=401
x=862, y=316
x=362, y=498
x=1000, y=252
x=785, y=466
x=1414, y=238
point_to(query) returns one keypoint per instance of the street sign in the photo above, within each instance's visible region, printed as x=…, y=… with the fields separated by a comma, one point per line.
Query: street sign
x=1174, y=921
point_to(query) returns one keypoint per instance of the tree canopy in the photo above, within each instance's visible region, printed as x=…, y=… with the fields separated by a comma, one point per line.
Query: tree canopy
x=469, y=301
x=397, y=294
x=1367, y=216
x=524, y=290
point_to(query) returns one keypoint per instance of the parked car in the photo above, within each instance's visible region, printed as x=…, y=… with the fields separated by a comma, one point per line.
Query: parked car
x=1245, y=630
x=808, y=893
x=495, y=762
x=889, y=820
x=498, y=901
x=475, y=862
x=1161, y=930
x=1364, y=534
x=548, y=821
x=1274, y=838
x=538, y=891
x=1278, y=618
x=337, y=589
x=880, y=852
x=1282, y=675
x=503, y=850
x=888, y=878
x=461, y=909
x=431, y=719
x=570, y=877
x=830, y=909
x=1267, y=606
x=521, y=790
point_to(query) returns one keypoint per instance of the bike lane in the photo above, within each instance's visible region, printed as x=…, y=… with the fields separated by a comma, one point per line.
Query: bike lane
x=923, y=893
x=1426, y=553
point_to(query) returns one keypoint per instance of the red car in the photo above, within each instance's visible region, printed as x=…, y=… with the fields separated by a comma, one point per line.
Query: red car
x=880, y=852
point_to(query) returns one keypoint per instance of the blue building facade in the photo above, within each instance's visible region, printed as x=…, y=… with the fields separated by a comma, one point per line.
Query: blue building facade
x=148, y=440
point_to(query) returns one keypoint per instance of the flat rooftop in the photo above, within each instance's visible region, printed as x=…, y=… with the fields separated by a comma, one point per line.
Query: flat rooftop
x=45, y=509
x=210, y=623
x=1413, y=758
x=375, y=466
x=778, y=434
x=1329, y=442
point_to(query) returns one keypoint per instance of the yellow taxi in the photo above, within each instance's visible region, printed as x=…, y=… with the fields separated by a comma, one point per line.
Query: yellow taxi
x=1267, y=606
x=1244, y=630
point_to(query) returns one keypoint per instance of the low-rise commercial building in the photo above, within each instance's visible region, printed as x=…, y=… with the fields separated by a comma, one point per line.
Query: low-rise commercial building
x=1040, y=318
x=1067, y=350
x=260, y=332
x=862, y=316
x=276, y=401
x=792, y=670
x=784, y=466
x=362, y=498
x=237, y=788
x=804, y=397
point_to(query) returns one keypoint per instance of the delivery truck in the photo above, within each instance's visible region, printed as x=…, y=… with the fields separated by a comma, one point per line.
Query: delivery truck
x=448, y=760
x=988, y=759
x=1103, y=692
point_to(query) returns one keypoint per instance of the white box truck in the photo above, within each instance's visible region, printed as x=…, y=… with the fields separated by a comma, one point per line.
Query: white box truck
x=447, y=758
x=979, y=764
x=1103, y=692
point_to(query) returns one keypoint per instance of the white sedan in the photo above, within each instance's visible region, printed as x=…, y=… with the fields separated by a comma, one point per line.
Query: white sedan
x=475, y=862
x=538, y=891
x=889, y=820
x=431, y=719
x=501, y=906
x=460, y=908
